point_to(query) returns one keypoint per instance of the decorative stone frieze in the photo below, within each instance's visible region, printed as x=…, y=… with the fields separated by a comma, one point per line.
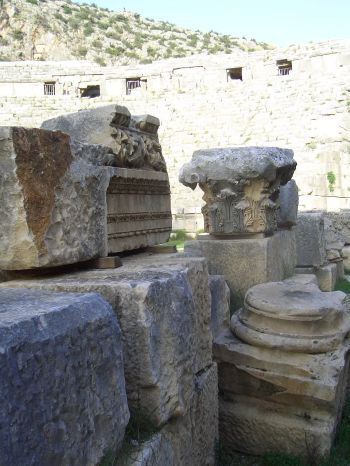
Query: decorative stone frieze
x=241, y=187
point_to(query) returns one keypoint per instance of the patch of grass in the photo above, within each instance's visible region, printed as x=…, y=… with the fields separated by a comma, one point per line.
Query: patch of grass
x=343, y=284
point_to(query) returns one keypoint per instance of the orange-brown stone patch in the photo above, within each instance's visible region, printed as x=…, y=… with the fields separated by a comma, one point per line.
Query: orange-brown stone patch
x=42, y=159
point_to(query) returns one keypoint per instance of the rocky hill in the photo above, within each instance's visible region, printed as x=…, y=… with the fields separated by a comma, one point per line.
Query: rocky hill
x=63, y=30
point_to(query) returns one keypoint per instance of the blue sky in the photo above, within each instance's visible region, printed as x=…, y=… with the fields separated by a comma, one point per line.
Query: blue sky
x=279, y=22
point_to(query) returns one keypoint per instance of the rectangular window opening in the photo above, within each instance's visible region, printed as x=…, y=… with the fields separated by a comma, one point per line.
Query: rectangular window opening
x=284, y=67
x=91, y=91
x=49, y=88
x=234, y=73
x=134, y=83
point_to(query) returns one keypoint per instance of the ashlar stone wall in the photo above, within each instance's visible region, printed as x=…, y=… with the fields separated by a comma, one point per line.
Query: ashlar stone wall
x=200, y=107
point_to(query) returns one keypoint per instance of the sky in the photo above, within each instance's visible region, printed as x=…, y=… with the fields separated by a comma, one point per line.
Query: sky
x=281, y=22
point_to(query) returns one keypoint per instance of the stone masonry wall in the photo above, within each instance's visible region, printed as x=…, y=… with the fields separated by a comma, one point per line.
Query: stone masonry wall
x=201, y=107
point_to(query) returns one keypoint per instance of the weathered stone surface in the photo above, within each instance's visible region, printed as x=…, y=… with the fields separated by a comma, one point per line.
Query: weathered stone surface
x=341, y=222
x=133, y=141
x=247, y=262
x=61, y=379
x=240, y=187
x=163, y=305
x=346, y=258
x=327, y=276
x=334, y=240
x=311, y=246
x=188, y=440
x=289, y=200
x=274, y=400
x=292, y=316
x=53, y=205
x=157, y=451
x=195, y=436
x=220, y=304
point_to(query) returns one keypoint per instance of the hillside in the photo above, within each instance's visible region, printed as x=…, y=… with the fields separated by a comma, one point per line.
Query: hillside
x=63, y=30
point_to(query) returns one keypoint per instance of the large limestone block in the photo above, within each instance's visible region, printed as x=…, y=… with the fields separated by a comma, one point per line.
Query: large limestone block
x=53, y=205
x=138, y=196
x=247, y=262
x=311, y=245
x=163, y=306
x=327, y=276
x=274, y=400
x=61, y=378
x=240, y=186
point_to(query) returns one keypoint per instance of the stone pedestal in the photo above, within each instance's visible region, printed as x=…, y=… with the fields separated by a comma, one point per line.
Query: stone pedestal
x=247, y=262
x=283, y=372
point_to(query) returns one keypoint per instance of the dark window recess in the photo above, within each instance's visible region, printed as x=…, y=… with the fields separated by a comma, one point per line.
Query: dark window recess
x=234, y=73
x=134, y=83
x=91, y=91
x=49, y=88
x=284, y=67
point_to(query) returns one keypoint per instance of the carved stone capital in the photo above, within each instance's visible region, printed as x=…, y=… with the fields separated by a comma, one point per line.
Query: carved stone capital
x=241, y=187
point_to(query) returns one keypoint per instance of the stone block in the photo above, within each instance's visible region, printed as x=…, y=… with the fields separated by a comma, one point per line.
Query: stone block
x=288, y=210
x=53, y=205
x=311, y=246
x=274, y=400
x=61, y=378
x=163, y=305
x=346, y=258
x=247, y=262
x=220, y=304
x=327, y=276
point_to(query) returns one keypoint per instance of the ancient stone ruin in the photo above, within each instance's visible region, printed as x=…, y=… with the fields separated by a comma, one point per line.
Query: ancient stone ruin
x=233, y=341
x=69, y=198
x=283, y=364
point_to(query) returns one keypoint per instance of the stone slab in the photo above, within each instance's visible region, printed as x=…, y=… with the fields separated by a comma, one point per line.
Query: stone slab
x=274, y=400
x=311, y=245
x=61, y=378
x=248, y=262
x=163, y=305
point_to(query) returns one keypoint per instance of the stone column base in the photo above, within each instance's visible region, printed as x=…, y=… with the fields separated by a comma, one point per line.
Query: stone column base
x=272, y=400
